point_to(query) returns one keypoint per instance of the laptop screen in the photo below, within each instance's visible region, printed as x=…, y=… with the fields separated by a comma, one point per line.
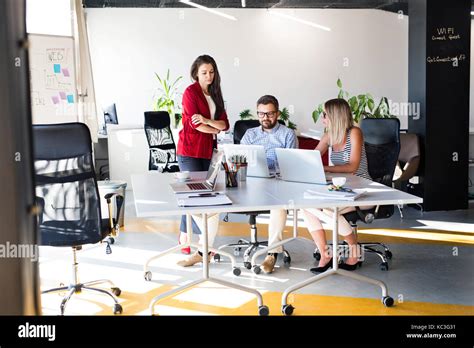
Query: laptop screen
x=214, y=167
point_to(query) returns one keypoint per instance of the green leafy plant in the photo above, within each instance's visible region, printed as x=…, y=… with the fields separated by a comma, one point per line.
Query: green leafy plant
x=166, y=97
x=246, y=115
x=362, y=105
x=284, y=116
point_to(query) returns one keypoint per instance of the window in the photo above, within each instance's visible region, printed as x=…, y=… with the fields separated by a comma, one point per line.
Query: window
x=49, y=17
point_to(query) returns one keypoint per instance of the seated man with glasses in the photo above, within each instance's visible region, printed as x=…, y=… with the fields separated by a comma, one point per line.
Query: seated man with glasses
x=271, y=134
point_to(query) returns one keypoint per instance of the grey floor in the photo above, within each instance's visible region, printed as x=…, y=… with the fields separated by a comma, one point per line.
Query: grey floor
x=418, y=272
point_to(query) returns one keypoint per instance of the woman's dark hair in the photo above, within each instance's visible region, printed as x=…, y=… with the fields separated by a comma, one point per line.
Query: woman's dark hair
x=215, y=86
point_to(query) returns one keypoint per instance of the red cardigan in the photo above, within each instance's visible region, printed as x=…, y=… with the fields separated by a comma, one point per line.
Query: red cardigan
x=193, y=143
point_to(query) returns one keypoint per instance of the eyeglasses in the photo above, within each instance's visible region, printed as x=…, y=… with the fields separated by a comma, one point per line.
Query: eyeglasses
x=269, y=114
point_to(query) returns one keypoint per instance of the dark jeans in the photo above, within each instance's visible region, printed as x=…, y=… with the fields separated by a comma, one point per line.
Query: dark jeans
x=193, y=165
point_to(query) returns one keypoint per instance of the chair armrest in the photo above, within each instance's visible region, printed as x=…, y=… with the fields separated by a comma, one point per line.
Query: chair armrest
x=410, y=170
x=40, y=204
x=119, y=201
x=367, y=216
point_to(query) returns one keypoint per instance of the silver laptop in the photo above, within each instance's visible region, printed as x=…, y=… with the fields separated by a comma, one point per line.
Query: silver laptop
x=207, y=185
x=301, y=166
x=256, y=158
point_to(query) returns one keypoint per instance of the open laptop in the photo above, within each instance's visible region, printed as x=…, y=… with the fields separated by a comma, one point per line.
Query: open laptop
x=301, y=166
x=207, y=185
x=256, y=158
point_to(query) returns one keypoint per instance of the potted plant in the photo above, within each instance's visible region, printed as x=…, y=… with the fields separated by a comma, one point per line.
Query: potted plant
x=166, y=98
x=246, y=115
x=284, y=116
x=362, y=105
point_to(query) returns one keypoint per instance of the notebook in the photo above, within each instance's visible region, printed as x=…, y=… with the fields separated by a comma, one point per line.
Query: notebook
x=324, y=193
x=199, y=201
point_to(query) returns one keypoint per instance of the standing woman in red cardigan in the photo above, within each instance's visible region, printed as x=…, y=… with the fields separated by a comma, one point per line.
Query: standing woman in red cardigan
x=204, y=117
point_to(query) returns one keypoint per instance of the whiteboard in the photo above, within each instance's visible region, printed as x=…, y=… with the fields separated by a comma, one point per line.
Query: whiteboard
x=52, y=79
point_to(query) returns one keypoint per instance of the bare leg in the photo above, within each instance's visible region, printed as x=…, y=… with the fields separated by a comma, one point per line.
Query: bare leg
x=354, y=254
x=319, y=238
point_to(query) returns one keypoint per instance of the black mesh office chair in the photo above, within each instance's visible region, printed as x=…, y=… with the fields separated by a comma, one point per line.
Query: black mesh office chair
x=382, y=146
x=68, y=196
x=160, y=142
x=253, y=244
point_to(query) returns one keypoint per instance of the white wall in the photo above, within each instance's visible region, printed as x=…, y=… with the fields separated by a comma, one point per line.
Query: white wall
x=299, y=64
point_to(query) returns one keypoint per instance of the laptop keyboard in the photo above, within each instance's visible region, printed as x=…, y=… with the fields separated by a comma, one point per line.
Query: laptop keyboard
x=197, y=186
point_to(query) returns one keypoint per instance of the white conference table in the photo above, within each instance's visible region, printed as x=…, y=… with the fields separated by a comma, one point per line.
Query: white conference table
x=154, y=198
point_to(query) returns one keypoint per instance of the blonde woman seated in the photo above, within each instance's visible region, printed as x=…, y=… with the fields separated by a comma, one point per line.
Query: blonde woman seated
x=348, y=156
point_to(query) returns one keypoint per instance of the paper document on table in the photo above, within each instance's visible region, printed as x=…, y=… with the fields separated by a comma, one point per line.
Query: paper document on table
x=198, y=201
x=323, y=193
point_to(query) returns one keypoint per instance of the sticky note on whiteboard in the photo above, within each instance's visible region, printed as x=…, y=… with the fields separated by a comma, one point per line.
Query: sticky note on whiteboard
x=70, y=98
x=63, y=95
x=57, y=68
x=55, y=99
x=66, y=72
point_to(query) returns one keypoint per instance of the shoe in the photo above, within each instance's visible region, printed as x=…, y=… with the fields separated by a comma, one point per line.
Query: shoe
x=268, y=264
x=192, y=260
x=186, y=250
x=317, y=270
x=347, y=267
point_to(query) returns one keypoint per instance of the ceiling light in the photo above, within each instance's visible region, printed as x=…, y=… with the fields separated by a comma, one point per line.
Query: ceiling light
x=190, y=3
x=299, y=20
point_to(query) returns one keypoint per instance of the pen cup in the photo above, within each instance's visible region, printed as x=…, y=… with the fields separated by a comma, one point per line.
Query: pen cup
x=231, y=179
x=242, y=173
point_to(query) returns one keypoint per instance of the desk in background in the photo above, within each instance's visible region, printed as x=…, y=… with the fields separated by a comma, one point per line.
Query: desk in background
x=101, y=157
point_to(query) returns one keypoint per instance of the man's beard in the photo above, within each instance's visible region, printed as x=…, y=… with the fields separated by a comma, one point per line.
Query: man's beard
x=269, y=125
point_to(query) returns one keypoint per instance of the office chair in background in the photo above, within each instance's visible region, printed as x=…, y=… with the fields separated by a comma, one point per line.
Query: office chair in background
x=253, y=244
x=160, y=142
x=382, y=146
x=407, y=165
x=68, y=196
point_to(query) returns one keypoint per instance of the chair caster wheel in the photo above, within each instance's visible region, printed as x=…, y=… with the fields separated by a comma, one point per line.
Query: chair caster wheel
x=108, y=249
x=287, y=260
x=111, y=240
x=236, y=271
x=388, y=254
x=247, y=265
x=147, y=276
x=263, y=311
x=217, y=258
x=387, y=301
x=317, y=255
x=118, y=309
x=116, y=291
x=384, y=266
x=287, y=309
x=256, y=269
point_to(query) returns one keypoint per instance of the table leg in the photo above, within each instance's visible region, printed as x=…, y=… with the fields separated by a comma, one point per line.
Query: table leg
x=189, y=231
x=262, y=309
x=287, y=309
